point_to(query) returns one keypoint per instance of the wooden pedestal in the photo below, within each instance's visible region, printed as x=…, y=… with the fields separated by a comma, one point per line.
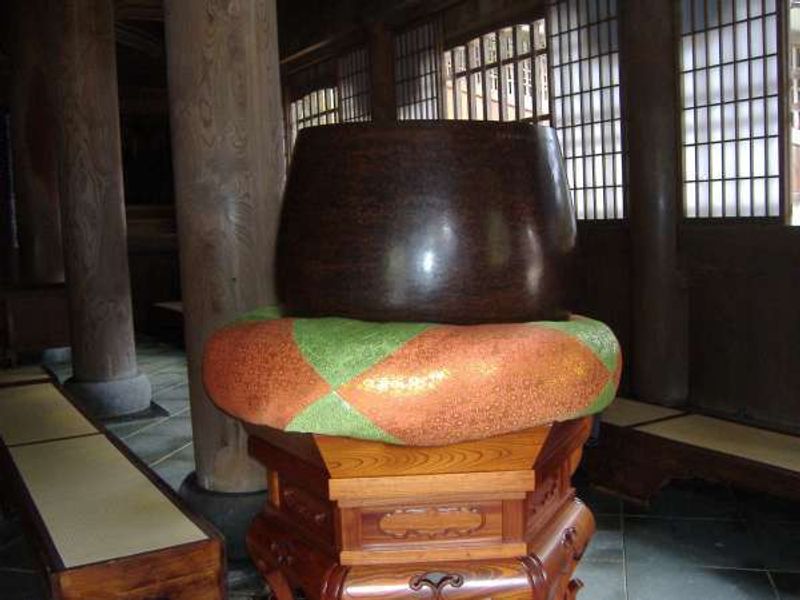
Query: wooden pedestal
x=352, y=519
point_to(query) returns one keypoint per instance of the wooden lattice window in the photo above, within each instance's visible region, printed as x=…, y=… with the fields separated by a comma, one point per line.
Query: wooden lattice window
x=417, y=70
x=354, y=86
x=335, y=90
x=585, y=95
x=320, y=107
x=730, y=108
x=499, y=76
x=793, y=101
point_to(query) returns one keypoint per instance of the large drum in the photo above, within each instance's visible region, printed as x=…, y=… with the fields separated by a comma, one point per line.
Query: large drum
x=446, y=222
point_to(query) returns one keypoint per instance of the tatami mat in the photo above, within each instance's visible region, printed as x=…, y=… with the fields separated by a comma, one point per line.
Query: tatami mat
x=96, y=505
x=38, y=412
x=625, y=413
x=758, y=445
x=23, y=375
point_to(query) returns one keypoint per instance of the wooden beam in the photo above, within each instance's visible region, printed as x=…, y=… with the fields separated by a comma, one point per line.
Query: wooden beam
x=33, y=120
x=660, y=306
x=228, y=156
x=381, y=61
x=105, y=373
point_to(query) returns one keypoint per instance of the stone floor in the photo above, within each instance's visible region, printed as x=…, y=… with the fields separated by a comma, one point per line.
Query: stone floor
x=697, y=541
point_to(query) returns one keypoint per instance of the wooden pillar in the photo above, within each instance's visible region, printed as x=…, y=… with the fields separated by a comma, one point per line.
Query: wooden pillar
x=33, y=126
x=105, y=373
x=660, y=316
x=227, y=144
x=381, y=50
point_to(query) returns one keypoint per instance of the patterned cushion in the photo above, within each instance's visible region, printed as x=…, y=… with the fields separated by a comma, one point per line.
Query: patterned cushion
x=409, y=383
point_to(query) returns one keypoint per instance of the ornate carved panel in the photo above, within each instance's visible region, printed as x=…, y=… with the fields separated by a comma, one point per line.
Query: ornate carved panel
x=432, y=522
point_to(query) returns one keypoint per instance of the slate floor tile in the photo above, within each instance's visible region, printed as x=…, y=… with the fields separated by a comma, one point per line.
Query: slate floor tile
x=762, y=507
x=163, y=438
x=779, y=543
x=17, y=553
x=679, y=582
x=171, y=364
x=677, y=543
x=602, y=580
x=244, y=581
x=174, y=400
x=173, y=470
x=606, y=544
x=166, y=379
x=21, y=585
x=692, y=499
x=788, y=585
x=124, y=429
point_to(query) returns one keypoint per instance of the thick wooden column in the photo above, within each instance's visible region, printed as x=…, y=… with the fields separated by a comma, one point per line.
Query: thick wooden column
x=105, y=374
x=660, y=316
x=381, y=50
x=228, y=157
x=33, y=125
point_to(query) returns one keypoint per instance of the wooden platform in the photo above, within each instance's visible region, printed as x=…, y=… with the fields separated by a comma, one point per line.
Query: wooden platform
x=19, y=375
x=104, y=525
x=39, y=413
x=643, y=446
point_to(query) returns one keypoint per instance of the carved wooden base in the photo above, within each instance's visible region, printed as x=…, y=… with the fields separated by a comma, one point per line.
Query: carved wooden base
x=348, y=519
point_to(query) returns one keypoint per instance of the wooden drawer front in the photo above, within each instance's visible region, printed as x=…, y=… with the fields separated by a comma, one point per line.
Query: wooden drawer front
x=499, y=580
x=572, y=527
x=307, y=510
x=430, y=524
x=274, y=547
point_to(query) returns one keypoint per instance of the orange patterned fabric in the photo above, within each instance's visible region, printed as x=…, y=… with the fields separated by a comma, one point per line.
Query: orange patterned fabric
x=479, y=379
x=410, y=383
x=260, y=366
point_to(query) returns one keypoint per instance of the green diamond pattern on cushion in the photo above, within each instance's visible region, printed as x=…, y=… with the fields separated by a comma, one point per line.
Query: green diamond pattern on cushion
x=340, y=349
x=604, y=398
x=330, y=415
x=594, y=334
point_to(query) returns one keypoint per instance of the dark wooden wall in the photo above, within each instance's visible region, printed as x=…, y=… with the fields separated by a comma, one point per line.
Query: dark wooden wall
x=744, y=320
x=743, y=283
x=604, y=287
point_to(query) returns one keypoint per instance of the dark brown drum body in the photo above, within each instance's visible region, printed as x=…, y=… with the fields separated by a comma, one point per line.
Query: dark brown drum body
x=449, y=222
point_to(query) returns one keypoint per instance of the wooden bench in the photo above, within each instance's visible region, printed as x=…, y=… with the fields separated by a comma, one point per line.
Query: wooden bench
x=104, y=525
x=23, y=375
x=642, y=447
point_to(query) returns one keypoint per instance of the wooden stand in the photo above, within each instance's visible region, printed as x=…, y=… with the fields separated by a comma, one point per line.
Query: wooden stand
x=353, y=519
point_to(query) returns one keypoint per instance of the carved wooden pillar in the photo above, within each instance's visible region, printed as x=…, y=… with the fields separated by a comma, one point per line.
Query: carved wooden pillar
x=227, y=144
x=105, y=374
x=33, y=127
x=381, y=48
x=660, y=316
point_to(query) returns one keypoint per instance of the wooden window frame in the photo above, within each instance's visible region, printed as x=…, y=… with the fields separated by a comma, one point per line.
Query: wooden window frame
x=612, y=194
x=411, y=42
x=780, y=137
x=478, y=71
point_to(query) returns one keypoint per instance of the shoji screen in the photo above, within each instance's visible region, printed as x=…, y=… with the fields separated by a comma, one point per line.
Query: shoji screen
x=418, y=53
x=355, y=100
x=731, y=117
x=793, y=89
x=499, y=76
x=320, y=107
x=585, y=93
